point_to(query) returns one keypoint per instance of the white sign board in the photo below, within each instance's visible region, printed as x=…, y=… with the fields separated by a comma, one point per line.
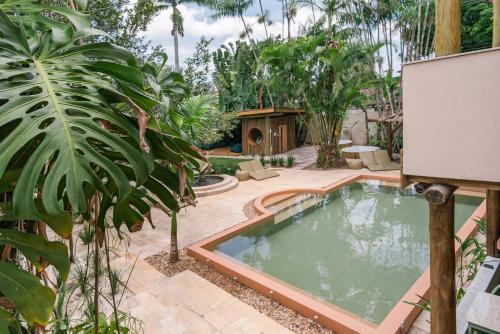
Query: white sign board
x=451, y=109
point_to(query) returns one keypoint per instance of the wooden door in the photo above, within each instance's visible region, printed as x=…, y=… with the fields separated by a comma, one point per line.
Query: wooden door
x=283, y=138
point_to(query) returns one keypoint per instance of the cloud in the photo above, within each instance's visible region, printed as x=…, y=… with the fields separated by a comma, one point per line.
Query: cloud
x=198, y=22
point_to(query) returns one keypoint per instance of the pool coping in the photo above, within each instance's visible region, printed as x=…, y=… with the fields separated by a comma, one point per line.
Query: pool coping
x=399, y=319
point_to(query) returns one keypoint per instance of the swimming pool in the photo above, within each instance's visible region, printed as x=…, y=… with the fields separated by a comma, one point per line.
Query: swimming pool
x=352, y=252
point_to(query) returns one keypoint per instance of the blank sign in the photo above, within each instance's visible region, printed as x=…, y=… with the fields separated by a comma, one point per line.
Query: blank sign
x=451, y=111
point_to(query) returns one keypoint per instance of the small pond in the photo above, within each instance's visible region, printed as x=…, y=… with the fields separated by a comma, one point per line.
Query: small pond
x=208, y=180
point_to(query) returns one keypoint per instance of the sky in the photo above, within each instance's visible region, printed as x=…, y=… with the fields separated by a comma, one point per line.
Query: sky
x=198, y=23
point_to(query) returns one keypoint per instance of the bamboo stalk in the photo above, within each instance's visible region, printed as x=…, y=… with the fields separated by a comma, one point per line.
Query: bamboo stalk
x=496, y=23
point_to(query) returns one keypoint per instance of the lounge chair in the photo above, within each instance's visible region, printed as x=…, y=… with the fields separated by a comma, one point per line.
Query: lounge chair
x=256, y=170
x=378, y=161
x=383, y=159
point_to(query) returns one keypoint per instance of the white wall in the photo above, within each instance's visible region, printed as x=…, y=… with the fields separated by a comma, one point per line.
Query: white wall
x=451, y=123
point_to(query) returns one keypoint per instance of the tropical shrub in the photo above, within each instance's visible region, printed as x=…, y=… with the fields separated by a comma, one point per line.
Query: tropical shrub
x=290, y=160
x=75, y=146
x=325, y=74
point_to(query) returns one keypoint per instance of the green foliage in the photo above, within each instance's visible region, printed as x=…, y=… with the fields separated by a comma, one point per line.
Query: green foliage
x=473, y=254
x=225, y=165
x=239, y=77
x=274, y=161
x=124, y=23
x=477, y=25
x=8, y=323
x=54, y=106
x=281, y=161
x=32, y=299
x=290, y=160
x=324, y=74
x=105, y=326
x=204, y=122
x=197, y=70
x=74, y=121
x=38, y=251
x=262, y=161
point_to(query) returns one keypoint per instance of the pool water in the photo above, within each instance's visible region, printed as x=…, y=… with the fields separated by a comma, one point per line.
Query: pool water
x=360, y=248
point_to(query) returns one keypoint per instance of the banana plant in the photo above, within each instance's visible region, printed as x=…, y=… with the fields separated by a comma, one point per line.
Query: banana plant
x=74, y=123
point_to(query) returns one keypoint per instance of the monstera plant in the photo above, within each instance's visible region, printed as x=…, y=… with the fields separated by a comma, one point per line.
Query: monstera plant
x=76, y=143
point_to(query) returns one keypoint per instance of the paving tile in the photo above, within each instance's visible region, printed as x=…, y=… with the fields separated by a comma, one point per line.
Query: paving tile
x=199, y=326
x=178, y=319
x=422, y=322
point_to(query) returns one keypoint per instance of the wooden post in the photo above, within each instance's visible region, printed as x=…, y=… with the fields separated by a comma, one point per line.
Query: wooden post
x=442, y=251
x=269, y=142
x=493, y=222
x=493, y=196
x=496, y=23
x=440, y=197
x=389, y=139
x=448, y=20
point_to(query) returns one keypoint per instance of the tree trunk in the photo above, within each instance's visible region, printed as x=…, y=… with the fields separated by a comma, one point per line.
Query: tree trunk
x=174, y=251
x=263, y=17
x=493, y=222
x=289, y=19
x=442, y=254
x=175, y=34
x=252, y=47
x=313, y=12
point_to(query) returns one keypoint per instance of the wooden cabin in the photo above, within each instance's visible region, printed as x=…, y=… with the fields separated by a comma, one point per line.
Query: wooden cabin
x=268, y=131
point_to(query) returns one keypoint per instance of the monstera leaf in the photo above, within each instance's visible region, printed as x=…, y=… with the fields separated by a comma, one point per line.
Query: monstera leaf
x=37, y=250
x=32, y=299
x=73, y=123
x=54, y=104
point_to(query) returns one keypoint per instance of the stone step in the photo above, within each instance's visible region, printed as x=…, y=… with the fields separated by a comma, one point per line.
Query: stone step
x=227, y=187
x=224, y=182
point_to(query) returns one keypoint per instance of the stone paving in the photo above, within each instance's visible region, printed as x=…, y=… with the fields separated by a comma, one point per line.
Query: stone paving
x=187, y=303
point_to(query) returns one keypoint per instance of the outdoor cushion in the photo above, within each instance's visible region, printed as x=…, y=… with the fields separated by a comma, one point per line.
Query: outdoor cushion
x=376, y=167
x=258, y=174
x=265, y=174
x=383, y=159
x=256, y=165
x=245, y=166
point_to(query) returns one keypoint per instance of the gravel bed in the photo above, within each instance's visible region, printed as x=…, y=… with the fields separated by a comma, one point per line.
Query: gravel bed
x=249, y=209
x=281, y=314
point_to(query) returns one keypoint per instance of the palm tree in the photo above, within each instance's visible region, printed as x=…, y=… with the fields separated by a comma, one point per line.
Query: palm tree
x=177, y=23
x=236, y=8
x=264, y=17
x=290, y=13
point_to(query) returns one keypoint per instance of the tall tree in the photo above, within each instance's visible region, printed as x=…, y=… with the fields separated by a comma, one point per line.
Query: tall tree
x=125, y=22
x=197, y=70
x=325, y=75
x=237, y=8
x=177, y=23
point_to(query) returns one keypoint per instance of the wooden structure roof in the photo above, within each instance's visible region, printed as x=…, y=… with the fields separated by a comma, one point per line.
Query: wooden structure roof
x=269, y=112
